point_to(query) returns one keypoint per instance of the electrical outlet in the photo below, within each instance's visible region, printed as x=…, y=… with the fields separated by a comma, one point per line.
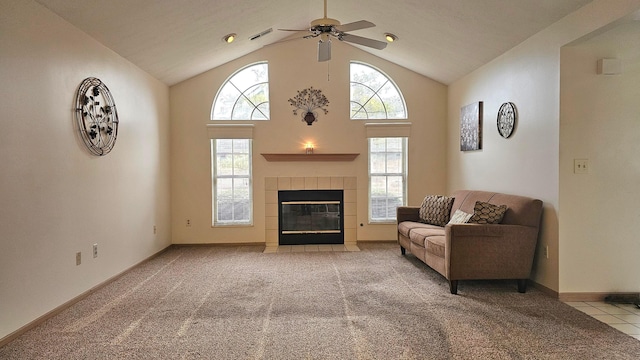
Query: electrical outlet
x=580, y=166
x=78, y=258
x=95, y=251
x=188, y=223
x=155, y=230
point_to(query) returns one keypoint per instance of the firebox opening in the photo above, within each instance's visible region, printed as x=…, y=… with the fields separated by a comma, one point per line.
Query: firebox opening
x=310, y=217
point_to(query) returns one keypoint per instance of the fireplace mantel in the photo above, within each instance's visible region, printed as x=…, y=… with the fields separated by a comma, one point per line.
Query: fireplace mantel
x=310, y=157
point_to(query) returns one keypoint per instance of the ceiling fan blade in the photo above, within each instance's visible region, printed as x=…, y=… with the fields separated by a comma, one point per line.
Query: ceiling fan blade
x=301, y=35
x=324, y=50
x=363, y=41
x=293, y=30
x=362, y=24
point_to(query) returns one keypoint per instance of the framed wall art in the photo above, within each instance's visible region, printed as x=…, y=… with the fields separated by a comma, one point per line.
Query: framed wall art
x=507, y=117
x=96, y=116
x=471, y=127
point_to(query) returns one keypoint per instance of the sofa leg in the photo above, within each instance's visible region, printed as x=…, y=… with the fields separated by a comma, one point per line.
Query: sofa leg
x=522, y=285
x=403, y=251
x=453, y=286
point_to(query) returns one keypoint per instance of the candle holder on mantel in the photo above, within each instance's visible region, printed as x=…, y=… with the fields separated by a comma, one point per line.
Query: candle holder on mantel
x=309, y=149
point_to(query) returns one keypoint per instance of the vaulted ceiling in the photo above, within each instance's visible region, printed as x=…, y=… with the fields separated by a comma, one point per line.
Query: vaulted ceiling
x=174, y=40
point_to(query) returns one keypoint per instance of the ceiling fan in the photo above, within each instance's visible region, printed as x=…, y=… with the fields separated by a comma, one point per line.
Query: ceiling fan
x=326, y=28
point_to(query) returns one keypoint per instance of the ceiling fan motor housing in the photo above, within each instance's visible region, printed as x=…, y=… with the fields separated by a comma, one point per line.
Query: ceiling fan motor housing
x=325, y=22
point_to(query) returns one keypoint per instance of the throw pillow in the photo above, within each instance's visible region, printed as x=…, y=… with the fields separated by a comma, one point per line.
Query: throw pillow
x=435, y=209
x=485, y=213
x=460, y=217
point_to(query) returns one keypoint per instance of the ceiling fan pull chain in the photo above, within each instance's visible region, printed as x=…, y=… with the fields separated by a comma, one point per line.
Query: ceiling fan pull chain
x=328, y=63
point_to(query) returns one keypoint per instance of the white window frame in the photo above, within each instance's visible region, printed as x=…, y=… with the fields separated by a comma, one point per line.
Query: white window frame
x=390, y=218
x=375, y=95
x=242, y=95
x=215, y=177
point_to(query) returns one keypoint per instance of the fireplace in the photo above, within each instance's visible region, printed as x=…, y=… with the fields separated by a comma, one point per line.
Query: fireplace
x=310, y=217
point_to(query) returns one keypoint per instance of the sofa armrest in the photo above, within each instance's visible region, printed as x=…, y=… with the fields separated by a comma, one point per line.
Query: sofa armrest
x=407, y=213
x=489, y=251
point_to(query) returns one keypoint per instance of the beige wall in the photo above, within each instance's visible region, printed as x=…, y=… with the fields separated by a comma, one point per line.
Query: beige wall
x=528, y=162
x=600, y=122
x=57, y=199
x=293, y=67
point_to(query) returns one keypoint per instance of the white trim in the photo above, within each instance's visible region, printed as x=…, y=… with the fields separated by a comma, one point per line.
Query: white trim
x=230, y=131
x=387, y=129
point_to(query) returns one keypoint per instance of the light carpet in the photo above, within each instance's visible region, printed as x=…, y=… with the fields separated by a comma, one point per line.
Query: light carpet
x=235, y=302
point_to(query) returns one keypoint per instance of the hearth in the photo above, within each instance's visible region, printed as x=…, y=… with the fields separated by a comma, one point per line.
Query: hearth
x=310, y=217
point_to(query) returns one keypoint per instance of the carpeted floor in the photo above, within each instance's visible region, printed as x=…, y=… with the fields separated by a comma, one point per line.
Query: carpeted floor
x=238, y=303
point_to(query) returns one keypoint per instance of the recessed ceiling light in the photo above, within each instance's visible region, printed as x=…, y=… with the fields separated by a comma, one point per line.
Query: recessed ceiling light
x=390, y=37
x=229, y=38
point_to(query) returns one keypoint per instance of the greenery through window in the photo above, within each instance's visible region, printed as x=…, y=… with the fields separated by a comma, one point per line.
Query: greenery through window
x=244, y=96
x=387, y=177
x=232, y=195
x=374, y=95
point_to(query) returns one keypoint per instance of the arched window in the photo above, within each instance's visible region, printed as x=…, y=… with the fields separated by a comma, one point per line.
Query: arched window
x=244, y=96
x=374, y=95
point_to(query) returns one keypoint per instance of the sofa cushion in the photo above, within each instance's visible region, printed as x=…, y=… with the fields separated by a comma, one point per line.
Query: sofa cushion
x=460, y=217
x=435, y=209
x=405, y=227
x=485, y=213
x=420, y=236
x=435, y=245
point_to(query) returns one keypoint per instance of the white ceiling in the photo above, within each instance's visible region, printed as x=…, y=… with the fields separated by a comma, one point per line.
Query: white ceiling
x=174, y=40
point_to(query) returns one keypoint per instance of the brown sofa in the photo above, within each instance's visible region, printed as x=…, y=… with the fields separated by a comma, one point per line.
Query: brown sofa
x=476, y=251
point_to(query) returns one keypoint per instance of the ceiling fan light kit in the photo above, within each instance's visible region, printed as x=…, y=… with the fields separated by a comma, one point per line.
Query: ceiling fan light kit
x=326, y=28
x=324, y=50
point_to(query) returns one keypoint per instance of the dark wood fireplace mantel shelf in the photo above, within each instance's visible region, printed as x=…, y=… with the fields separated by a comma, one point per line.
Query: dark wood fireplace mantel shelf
x=310, y=157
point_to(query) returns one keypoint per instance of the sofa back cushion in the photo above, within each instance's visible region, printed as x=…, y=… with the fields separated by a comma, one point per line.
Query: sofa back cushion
x=521, y=210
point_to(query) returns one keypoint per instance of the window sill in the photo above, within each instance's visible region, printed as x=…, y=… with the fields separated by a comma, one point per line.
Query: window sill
x=382, y=222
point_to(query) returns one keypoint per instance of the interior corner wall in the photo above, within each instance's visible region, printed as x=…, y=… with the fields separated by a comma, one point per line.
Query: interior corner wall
x=600, y=123
x=527, y=163
x=293, y=66
x=55, y=198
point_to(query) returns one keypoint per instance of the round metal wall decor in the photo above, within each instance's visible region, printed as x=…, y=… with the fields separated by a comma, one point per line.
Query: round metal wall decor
x=507, y=117
x=96, y=116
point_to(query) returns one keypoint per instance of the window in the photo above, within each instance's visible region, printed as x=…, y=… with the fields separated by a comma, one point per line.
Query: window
x=387, y=177
x=232, y=195
x=244, y=96
x=374, y=95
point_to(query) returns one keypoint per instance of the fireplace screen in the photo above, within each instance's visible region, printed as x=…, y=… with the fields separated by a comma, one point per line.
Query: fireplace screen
x=310, y=217
x=303, y=217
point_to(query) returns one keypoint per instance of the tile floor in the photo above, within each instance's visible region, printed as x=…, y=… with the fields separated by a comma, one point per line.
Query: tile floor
x=624, y=317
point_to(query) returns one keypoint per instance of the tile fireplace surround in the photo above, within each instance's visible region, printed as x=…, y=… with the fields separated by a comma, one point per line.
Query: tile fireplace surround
x=274, y=184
